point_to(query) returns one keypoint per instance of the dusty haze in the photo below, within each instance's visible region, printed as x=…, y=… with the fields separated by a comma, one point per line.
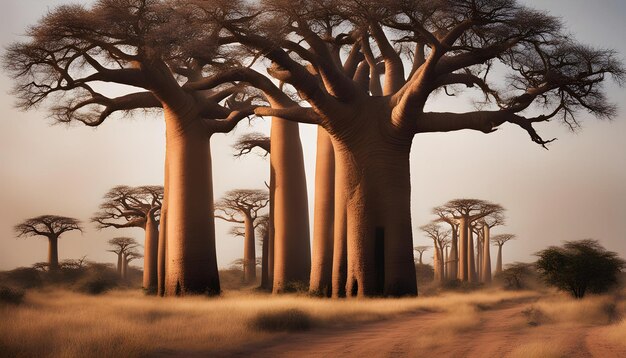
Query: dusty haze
x=575, y=190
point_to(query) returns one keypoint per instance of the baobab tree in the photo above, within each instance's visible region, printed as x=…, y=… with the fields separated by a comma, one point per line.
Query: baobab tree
x=150, y=49
x=465, y=212
x=500, y=240
x=420, y=250
x=122, y=245
x=440, y=236
x=140, y=207
x=485, y=225
x=245, y=145
x=50, y=227
x=242, y=206
x=445, y=215
x=447, y=44
x=263, y=227
x=129, y=256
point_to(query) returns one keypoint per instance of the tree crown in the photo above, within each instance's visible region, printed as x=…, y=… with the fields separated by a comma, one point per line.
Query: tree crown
x=47, y=225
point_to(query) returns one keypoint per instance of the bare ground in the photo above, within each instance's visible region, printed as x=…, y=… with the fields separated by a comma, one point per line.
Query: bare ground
x=501, y=331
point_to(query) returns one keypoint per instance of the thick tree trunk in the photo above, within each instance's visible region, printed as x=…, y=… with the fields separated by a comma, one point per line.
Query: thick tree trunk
x=190, y=230
x=323, y=228
x=265, y=277
x=499, y=260
x=150, y=255
x=445, y=267
x=479, y=259
x=463, y=240
x=471, y=262
x=292, y=247
x=486, y=271
x=270, y=242
x=377, y=188
x=452, y=262
x=340, y=235
x=124, y=267
x=162, y=260
x=53, y=253
x=436, y=264
x=249, y=254
x=120, y=264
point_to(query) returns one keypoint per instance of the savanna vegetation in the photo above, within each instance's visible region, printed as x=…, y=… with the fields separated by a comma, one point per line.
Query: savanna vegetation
x=362, y=72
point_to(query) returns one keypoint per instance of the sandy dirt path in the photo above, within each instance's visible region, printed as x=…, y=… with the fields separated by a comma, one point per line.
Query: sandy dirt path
x=500, y=331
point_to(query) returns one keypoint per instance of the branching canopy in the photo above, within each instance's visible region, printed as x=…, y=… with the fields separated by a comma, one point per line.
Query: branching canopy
x=126, y=206
x=236, y=205
x=501, y=239
x=247, y=142
x=50, y=226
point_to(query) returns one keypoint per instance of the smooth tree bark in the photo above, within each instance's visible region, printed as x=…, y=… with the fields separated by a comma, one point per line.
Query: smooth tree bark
x=323, y=216
x=50, y=227
x=372, y=127
x=499, y=240
x=140, y=207
x=243, y=206
x=155, y=48
x=263, y=227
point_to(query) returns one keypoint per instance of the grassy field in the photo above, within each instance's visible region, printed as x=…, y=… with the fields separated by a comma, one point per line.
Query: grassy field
x=60, y=323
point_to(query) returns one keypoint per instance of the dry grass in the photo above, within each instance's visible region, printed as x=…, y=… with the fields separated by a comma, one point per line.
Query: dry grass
x=126, y=323
x=540, y=349
x=592, y=310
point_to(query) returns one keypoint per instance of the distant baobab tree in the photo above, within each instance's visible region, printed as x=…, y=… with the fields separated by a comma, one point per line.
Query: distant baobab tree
x=125, y=207
x=243, y=146
x=440, y=236
x=500, y=240
x=243, y=206
x=483, y=228
x=443, y=45
x=128, y=256
x=154, y=50
x=464, y=212
x=420, y=250
x=248, y=142
x=263, y=230
x=50, y=227
x=122, y=245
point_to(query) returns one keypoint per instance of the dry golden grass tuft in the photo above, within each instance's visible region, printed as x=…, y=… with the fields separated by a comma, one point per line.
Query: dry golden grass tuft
x=592, y=310
x=126, y=323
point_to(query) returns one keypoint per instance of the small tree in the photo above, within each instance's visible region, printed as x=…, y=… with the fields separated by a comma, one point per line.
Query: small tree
x=500, y=240
x=52, y=227
x=579, y=266
x=420, y=250
x=242, y=207
x=125, y=207
x=129, y=256
x=122, y=245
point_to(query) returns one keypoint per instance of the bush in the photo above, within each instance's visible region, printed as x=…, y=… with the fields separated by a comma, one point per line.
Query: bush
x=579, y=266
x=97, y=279
x=23, y=277
x=517, y=276
x=10, y=295
x=288, y=320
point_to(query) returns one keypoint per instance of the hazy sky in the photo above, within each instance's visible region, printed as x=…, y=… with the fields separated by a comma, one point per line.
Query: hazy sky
x=575, y=190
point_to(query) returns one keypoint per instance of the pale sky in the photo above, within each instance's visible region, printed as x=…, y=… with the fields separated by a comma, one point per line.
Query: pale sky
x=575, y=190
